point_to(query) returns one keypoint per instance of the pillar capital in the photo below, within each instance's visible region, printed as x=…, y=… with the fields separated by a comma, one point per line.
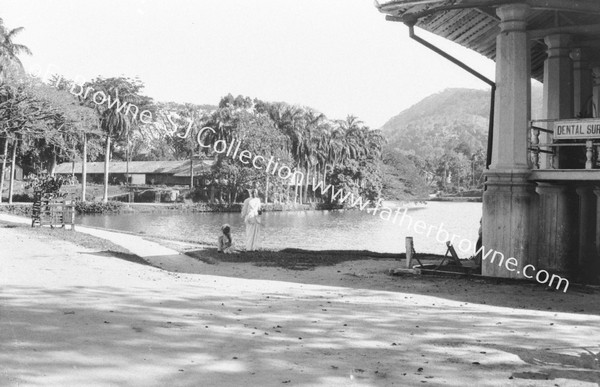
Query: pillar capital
x=558, y=45
x=513, y=16
x=579, y=55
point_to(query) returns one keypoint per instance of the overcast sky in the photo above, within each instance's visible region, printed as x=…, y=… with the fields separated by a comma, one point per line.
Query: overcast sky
x=339, y=57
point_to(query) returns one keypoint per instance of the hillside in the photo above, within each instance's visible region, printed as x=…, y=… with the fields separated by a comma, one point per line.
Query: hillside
x=453, y=103
x=444, y=137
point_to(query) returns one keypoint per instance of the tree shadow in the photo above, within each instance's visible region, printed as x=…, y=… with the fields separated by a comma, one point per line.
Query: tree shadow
x=120, y=255
x=584, y=366
x=231, y=333
x=511, y=293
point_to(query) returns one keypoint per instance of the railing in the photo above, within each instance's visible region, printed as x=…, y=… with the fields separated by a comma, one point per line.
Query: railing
x=551, y=147
x=49, y=211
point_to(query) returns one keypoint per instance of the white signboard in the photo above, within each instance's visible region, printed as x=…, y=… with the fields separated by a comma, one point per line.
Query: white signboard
x=585, y=128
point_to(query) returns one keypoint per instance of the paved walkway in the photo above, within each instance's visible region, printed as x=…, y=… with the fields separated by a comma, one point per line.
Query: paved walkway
x=72, y=317
x=152, y=252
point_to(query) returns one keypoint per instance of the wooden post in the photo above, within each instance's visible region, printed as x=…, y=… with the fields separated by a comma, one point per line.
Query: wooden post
x=409, y=251
x=4, y=156
x=106, y=169
x=535, y=142
x=84, y=168
x=191, y=163
x=13, y=164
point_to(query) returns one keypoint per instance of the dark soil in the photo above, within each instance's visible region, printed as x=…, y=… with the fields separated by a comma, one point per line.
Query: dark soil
x=298, y=259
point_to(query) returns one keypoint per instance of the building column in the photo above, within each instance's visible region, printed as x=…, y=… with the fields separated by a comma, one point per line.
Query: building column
x=556, y=227
x=507, y=201
x=587, y=229
x=558, y=88
x=596, y=91
x=594, y=262
x=558, y=205
x=582, y=84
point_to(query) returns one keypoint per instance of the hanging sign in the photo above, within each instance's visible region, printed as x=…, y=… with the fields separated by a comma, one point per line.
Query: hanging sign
x=585, y=128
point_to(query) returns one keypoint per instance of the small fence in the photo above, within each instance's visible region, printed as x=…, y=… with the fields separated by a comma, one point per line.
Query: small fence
x=53, y=212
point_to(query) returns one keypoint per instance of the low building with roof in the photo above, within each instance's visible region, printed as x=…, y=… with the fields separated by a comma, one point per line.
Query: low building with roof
x=140, y=172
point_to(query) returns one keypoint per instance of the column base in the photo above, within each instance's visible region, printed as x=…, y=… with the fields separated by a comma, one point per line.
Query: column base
x=557, y=225
x=507, y=214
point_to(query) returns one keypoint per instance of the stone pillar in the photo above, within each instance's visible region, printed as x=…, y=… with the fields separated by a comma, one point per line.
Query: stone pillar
x=596, y=90
x=582, y=83
x=558, y=86
x=558, y=205
x=594, y=268
x=587, y=228
x=508, y=197
x=557, y=227
x=513, y=91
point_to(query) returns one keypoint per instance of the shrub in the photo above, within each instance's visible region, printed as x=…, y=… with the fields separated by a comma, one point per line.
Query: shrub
x=98, y=207
x=21, y=210
x=24, y=198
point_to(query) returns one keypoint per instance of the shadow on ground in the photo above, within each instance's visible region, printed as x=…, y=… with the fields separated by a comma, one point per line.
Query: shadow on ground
x=185, y=337
x=511, y=293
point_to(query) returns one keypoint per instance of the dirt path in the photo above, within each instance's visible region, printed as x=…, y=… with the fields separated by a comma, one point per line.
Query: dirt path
x=72, y=316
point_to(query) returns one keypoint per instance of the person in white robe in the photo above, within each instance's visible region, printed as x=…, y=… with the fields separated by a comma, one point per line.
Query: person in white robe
x=251, y=212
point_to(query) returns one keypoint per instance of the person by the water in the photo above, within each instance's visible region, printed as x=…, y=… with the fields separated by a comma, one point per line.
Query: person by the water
x=251, y=212
x=225, y=242
x=479, y=243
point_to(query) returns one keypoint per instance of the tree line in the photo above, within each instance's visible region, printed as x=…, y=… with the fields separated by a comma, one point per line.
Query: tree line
x=46, y=123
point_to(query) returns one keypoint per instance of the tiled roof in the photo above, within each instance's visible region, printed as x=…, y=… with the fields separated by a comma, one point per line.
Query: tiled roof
x=475, y=25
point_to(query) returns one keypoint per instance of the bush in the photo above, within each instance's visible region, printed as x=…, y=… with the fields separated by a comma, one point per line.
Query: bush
x=24, y=198
x=216, y=207
x=21, y=210
x=98, y=207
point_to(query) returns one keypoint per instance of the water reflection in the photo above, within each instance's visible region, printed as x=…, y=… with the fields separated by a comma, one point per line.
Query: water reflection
x=316, y=230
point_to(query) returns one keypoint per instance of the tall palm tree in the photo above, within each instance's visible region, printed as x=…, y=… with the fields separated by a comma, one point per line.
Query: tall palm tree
x=288, y=119
x=10, y=51
x=310, y=145
x=115, y=122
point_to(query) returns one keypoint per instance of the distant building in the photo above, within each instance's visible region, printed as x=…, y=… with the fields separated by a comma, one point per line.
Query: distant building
x=140, y=172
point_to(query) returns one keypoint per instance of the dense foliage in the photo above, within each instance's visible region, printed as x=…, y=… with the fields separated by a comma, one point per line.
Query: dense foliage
x=105, y=119
x=440, y=143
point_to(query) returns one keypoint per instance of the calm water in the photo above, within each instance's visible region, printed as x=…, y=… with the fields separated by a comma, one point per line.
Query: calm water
x=315, y=230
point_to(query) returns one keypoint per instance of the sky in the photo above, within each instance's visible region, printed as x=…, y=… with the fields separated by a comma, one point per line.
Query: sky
x=339, y=57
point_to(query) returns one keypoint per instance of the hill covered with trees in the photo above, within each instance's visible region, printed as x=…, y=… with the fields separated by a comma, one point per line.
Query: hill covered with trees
x=440, y=143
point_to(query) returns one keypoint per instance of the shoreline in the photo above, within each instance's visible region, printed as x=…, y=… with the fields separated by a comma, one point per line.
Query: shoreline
x=458, y=199
x=24, y=208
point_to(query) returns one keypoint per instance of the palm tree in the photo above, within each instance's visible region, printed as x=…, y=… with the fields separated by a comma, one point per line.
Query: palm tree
x=9, y=59
x=288, y=120
x=115, y=121
x=10, y=51
x=87, y=123
x=310, y=144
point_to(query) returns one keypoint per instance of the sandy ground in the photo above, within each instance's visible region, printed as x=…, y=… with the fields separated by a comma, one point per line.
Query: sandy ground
x=73, y=316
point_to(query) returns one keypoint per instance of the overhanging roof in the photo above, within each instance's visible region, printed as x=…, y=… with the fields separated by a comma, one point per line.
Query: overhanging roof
x=474, y=24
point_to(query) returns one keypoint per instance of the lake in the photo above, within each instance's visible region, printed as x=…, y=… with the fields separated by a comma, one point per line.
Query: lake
x=314, y=230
